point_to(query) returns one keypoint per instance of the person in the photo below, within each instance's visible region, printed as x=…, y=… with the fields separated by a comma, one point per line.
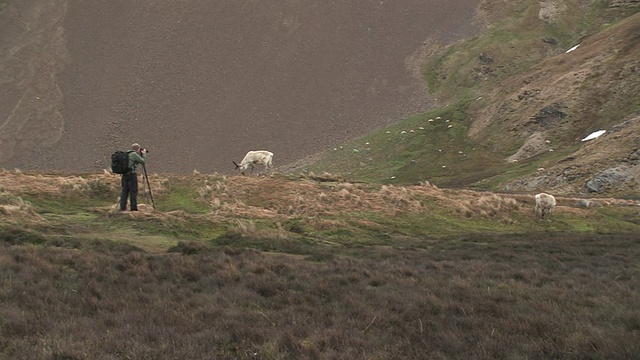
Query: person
x=130, y=179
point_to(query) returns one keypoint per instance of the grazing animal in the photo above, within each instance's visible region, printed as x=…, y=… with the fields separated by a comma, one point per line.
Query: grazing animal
x=545, y=204
x=253, y=158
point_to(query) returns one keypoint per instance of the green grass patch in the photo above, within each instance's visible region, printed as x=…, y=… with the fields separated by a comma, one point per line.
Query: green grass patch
x=433, y=146
x=64, y=205
x=182, y=197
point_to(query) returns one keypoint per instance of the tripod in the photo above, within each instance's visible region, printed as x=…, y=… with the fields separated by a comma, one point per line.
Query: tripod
x=144, y=171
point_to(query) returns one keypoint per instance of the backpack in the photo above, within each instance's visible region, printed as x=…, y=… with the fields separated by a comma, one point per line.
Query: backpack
x=120, y=162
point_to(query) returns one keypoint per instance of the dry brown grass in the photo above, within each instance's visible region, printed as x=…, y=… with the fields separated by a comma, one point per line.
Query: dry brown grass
x=274, y=197
x=280, y=198
x=19, y=183
x=14, y=209
x=487, y=206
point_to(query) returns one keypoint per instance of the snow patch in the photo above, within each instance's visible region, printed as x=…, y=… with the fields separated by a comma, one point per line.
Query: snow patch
x=594, y=135
x=573, y=48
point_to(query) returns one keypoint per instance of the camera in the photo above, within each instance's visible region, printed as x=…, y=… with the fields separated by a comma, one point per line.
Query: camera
x=143, y=150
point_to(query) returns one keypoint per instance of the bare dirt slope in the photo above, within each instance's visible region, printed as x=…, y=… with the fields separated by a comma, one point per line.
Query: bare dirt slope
x=201, y=82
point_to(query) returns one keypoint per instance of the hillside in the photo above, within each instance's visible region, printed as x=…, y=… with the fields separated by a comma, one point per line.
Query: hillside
x=553, y=106
x=514, y=104
x=412, y=235
x=202, y=83
x=332, y=89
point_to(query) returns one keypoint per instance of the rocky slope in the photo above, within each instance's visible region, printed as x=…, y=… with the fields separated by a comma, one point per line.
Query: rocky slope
x=553, y=107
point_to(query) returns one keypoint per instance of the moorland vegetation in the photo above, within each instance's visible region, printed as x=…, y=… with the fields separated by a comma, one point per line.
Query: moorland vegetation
x=315, y=267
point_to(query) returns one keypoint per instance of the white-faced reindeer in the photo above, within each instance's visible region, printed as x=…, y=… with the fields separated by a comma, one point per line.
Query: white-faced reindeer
x=253, y=158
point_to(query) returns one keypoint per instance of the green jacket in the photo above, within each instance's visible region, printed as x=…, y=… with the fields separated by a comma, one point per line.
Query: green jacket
x=134, y=160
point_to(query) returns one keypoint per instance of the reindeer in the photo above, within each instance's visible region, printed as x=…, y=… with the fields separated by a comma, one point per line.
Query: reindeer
x=545, y=204
x=253, y=158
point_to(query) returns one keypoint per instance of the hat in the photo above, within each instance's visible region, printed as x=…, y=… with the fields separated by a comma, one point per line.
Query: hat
x=135, y=146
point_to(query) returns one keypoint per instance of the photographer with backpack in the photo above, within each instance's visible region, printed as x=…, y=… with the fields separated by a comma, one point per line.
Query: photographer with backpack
x=130, y=178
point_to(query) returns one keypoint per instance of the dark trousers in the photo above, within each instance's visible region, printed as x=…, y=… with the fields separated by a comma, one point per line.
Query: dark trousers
x=129, y=190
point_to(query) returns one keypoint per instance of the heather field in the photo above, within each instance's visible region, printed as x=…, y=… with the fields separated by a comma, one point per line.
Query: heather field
x=314, y=268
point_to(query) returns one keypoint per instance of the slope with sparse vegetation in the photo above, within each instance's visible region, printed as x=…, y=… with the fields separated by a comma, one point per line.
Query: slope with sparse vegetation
x=513, y=101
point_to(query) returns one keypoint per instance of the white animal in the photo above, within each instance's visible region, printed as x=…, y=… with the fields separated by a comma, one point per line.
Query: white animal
x=253, y=158
x=545, y=204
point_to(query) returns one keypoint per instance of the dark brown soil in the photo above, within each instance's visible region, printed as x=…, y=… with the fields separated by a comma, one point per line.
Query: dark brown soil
x=202, y=83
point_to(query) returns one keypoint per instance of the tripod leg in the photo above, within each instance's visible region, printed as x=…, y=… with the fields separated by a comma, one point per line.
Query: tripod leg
x=144, y=189
x=153, y=203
